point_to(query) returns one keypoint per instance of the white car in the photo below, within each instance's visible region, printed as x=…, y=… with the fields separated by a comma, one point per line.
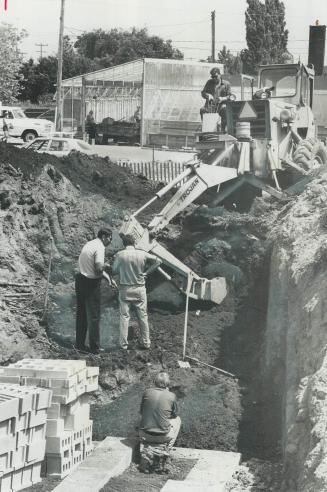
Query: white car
x=20, y=126
x=59, y=146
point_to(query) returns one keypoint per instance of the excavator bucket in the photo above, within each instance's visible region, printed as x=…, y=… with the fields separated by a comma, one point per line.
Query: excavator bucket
x=214, y=290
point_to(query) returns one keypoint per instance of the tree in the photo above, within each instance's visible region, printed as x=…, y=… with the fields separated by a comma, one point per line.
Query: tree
x=232, y=63
x=92, y=51
x=117, y=46
x=10, y=62
x=266, y=34
x=39, y=79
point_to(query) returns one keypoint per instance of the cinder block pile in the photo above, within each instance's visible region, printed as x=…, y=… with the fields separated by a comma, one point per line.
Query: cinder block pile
x=23, y=416
x=69, y=428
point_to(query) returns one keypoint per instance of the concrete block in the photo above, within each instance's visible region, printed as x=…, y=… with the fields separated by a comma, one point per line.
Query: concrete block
x=87, y=431
x=27, y=476
x=38, y=433
x=27, y=381
x=77, y=437
x=92, y=371
x=88, y=447
x=55, y=427
x=59, y=466
x=70, y=394
x=63, y=383
x=23, y=437
x=22, y=421
x=44, y=399
x=9, y=379
x=18, y=457
x=64, y=400
x=80, y=389
x=92, y=386
x=9, y=407
x=82, y=375
x=38, y=418
x=55, y=411
x=5, y=461
x=58, y=445
x=7, y=443
x=17, y=479
x=80, y=418
x=5, y=482
x=74, y=406
x=26, y=396
x=77, y=458
x=36, y=473
x=7, y=427
x=36, y=451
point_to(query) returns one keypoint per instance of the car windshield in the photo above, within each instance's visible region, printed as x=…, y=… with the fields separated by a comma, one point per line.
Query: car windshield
x=283, y=81
x=19, y=113
x=59, y=145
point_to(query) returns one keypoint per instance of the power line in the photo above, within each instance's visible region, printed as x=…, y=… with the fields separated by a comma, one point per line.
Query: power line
x=41, y=48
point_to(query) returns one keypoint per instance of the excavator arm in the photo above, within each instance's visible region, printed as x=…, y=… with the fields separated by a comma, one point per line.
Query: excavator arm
x=196, y=179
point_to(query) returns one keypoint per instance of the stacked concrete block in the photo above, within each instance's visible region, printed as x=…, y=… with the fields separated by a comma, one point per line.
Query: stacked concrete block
x=23, y=416
x=69, y=428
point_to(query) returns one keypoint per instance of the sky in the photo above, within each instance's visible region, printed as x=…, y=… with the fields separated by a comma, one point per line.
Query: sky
x=186, y=22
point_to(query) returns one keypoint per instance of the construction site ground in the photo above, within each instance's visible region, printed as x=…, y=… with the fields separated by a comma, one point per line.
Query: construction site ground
x=49, y=208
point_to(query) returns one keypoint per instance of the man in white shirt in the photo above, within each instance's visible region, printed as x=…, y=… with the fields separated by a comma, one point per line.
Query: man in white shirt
x=132, y=266
x=92, y=265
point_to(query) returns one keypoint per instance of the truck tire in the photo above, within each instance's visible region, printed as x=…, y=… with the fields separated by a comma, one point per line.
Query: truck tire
x=310, y=154
x=29, y=135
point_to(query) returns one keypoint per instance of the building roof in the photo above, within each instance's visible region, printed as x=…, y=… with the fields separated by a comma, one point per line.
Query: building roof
x=130, y=71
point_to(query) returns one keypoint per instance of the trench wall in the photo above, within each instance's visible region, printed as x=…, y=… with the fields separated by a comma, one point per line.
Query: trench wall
x=295, y=361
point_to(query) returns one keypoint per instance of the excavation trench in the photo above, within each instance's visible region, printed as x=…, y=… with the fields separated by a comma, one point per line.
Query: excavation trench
x=66, y=201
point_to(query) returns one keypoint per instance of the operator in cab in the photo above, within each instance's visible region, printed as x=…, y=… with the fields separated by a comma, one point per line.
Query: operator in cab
x=216, y=92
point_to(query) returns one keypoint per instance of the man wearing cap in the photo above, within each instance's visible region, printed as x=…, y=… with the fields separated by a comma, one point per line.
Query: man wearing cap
x=92, y=267
x=216, y=92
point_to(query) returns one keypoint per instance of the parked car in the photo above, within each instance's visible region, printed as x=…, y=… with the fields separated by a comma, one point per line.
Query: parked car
x=59, y=146
x=22, y=127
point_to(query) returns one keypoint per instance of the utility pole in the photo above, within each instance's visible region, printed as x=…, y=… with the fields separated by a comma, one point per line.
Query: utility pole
x=59, y=73
x=213, y=36
x=41, y=49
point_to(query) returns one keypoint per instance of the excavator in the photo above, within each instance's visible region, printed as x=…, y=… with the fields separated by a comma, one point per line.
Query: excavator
x=270, y=136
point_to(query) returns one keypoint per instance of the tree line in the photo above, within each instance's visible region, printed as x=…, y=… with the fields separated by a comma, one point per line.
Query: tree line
x=35, y=81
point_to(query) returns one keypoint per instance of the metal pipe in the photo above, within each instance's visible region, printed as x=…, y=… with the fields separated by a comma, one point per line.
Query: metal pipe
x=212, y=367
x=188, y=288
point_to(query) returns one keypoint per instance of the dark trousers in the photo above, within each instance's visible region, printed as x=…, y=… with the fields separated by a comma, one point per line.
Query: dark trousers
x=87, y=311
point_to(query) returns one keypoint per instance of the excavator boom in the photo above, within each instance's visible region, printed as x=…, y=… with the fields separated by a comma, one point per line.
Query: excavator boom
x=196, y=179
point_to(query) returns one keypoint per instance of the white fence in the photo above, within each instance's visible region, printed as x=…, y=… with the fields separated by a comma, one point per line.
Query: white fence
x=163, y=171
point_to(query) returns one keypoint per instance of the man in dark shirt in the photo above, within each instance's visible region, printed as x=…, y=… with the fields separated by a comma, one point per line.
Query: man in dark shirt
x=159, y=421
x=216, y=92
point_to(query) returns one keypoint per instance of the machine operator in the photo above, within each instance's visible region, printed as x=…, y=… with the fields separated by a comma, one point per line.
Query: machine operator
x=216, y=92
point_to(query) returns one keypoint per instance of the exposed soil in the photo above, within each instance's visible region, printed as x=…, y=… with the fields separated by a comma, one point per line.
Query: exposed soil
x=47, y=201
x=132, y=479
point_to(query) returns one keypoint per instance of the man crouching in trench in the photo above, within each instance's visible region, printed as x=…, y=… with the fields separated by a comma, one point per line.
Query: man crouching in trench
x=159, y=421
